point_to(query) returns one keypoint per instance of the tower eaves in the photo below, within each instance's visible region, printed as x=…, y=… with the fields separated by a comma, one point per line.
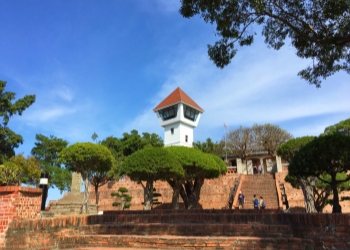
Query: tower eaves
x=178, y=96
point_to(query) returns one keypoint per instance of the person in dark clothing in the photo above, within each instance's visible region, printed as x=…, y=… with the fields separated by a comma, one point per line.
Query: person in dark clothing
x=240, y=200
x=255, y=202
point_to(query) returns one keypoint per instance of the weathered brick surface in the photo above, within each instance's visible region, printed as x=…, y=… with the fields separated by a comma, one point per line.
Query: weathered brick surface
x=214, y=193
x=17, y=202
x=213, y=227
x=162, y=242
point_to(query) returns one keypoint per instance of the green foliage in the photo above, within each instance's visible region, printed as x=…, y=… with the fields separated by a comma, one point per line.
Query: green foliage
x=133, y=142
x=329, y=154
x=288, y=149
x=151, y=163
x=19, y=169
x=342, y=127
x=123, y=197
x=217, y=148
x=10, y=174
x=9, y=140
x=46, y=151
x=88, y=159
x=318, y=30
x=198, y=164
x=29, y=167
x=128, y=144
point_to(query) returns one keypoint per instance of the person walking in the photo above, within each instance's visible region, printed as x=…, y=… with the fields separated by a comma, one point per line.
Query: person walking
x=240, y=200
x=260, y=169
x=255, y=202
x=262, y=203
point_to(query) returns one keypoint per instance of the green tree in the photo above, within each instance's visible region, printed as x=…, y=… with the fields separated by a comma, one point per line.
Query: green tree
x=9, y=140
x=128, y=144
x=46, y=151
x=147, y=165
x=318, y=30
x=100, y=178
x=306, y=183
x=29, y=167
x=10, y=174
x=341, y=127
x=19, y=169
x=197, y=167
x=216, y=148
x=329, y=154
x=86, y=158
x=123, y=198
x=116, y=147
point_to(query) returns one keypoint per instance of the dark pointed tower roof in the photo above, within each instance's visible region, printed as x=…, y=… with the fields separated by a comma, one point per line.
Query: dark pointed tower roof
x=178, y=96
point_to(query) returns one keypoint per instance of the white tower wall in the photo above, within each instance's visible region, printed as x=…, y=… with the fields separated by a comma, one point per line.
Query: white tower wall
x=178, y=130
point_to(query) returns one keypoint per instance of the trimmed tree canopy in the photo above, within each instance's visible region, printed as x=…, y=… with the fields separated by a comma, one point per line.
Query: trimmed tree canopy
x=288, y=149
x=155, y=163
x=326, y=154
x=198, y=164
x=86, y=158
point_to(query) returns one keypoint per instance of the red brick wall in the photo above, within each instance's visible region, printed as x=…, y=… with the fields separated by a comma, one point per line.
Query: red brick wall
x=328, y=231
x=17, y=202
x=214, y=193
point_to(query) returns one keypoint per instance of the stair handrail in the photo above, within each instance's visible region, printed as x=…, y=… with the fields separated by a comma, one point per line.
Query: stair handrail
x=284, y=196
x=232, y=194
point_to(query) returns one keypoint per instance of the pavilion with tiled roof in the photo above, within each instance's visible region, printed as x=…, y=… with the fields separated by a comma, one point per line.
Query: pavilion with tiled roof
x=179, y=115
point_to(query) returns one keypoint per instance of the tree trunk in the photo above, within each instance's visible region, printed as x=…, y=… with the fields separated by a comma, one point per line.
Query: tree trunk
x=193, y=192
x=307, y=188
x=148, y=195
x=176, y=186
x=122, y=201
x=336, y=204
x=184, y=196
x=96, y=193
x=85, y=206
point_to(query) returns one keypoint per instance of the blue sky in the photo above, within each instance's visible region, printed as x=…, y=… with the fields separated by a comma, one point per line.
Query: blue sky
x=102, y=66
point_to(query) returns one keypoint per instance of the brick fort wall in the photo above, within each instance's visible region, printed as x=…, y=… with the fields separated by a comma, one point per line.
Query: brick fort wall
x=17, y=202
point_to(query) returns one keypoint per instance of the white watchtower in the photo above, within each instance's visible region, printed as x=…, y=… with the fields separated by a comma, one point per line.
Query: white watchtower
x=178, y=114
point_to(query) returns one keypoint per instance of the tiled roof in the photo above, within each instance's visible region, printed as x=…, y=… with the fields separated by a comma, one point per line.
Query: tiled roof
x=178, y=96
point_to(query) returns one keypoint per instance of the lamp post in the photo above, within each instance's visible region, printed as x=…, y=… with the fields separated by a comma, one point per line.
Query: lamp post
x=44, y=180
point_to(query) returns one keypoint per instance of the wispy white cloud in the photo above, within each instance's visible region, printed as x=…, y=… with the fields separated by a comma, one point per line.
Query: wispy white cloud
x=51, y=114
x=264, y=90
x=64, y=93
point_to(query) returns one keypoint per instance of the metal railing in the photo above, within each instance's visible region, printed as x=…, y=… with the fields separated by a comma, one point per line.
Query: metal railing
x=232, y=194
x=284, y=196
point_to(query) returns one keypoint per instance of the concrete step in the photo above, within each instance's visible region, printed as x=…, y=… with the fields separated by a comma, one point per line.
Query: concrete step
x=109, y=242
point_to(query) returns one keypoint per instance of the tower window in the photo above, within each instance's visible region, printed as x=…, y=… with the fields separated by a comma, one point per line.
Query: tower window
x=186, y=138
x=172, y=131
x=168, y=113
x=190, y=113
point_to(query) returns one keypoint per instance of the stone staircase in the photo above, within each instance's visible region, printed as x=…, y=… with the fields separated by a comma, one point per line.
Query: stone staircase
x=184, y=229
x=262, y=185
